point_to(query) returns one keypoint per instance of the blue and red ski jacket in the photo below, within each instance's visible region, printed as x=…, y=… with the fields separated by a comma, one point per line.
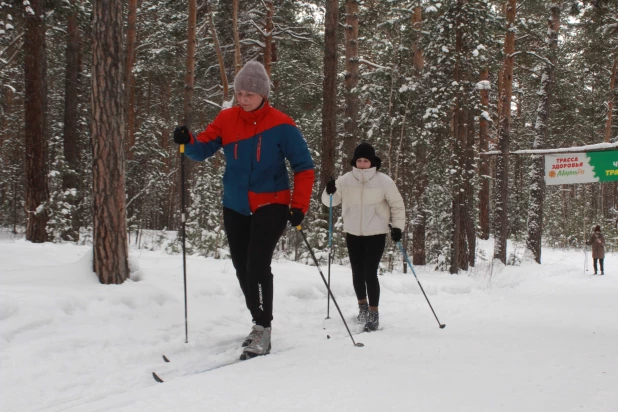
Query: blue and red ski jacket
x=256, y=145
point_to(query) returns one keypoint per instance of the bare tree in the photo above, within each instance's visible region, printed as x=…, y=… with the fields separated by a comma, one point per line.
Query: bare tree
x=502, y=163
x=110, y=222
x=35, y=70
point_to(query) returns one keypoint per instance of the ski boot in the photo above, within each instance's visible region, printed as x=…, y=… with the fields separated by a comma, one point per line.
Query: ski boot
x=260, y=345
x=363, y=313
x=250, y=337
x=373, y=321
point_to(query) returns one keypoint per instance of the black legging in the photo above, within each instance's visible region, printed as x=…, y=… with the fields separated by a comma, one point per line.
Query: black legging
x=594, y=263
x=365, y=255
x=252, y=241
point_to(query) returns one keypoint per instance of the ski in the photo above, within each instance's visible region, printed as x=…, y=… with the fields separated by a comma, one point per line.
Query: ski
x=154, y=374
x=158, y=379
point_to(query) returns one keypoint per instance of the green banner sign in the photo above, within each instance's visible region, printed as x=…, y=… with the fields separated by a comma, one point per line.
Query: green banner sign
x=569, y=168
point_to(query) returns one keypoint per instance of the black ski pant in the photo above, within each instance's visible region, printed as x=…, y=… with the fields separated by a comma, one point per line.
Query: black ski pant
x=365, y=255
x=594, y=264
x=252, y=241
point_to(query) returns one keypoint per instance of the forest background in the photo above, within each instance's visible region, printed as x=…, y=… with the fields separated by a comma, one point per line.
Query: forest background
x=431, y=84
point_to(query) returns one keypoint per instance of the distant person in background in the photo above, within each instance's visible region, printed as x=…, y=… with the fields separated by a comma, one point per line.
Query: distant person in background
x=597, y=240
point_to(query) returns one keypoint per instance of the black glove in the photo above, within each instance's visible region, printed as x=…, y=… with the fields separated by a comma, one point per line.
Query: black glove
x=182, y=135
x=330, y=186
x=395, y=234
x=296, y=217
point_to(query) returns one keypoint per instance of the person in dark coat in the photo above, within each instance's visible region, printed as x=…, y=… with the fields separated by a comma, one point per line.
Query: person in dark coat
x=258, y=202
x=597, y=240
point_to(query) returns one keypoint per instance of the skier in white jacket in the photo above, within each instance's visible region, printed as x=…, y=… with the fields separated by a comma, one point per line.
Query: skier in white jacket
x=370, y=201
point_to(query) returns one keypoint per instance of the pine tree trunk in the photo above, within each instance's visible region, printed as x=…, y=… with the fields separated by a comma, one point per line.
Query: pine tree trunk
x=419, y=222
x=35, y=71
x=129, y=79
x=237, y=55
x=405, y=195
x=13, y=155
x=110, y=223
x=484, y=160
x=502, y=163
x=607, y=189
x=351, y=80
x=215, y=40
x=417, y=26
x=610, y=103
x=541, y=135
x=70, y=179
x=268, y=38
x=421, y=181
x=190, y=65
x=459, y=244
x=329, y=93
x=470, y=225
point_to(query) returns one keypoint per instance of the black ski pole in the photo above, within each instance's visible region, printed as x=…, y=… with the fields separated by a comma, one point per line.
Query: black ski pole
x=300, y=229
x=405, y=255
x=183, y=233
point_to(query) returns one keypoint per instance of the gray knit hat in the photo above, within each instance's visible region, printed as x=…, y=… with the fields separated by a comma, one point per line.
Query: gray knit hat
x=252, y=78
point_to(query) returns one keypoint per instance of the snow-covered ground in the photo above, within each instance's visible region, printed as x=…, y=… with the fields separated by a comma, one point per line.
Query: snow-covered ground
x=517, y=338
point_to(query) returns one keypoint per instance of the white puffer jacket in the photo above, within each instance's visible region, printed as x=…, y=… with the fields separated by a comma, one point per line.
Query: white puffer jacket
x=370, y=200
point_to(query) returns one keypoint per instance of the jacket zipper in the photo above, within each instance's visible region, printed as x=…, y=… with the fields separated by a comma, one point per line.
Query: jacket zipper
x=259, y=148
x=361, y=204
x=236, y=148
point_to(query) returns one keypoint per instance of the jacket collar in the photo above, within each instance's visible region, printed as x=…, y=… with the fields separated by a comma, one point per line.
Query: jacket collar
x=363, y=175
x=256, y=115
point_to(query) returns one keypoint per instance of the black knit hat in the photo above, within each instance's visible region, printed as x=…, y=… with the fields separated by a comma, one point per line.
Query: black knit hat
x=366, y=151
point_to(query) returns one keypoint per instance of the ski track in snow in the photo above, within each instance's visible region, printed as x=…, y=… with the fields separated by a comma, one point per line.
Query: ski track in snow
x=529, y=337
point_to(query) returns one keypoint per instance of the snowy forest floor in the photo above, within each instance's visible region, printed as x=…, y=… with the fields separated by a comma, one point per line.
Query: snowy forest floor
x=517, y=338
